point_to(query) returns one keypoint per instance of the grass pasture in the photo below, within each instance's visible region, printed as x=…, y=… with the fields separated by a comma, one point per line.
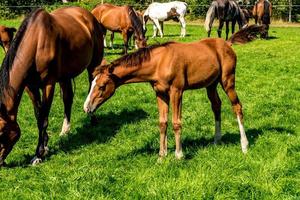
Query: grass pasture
x=117, y=158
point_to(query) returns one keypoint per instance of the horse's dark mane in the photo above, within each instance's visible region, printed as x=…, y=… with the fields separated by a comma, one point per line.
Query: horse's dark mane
x=133, y=59
x=11, y=54
x=136, y=22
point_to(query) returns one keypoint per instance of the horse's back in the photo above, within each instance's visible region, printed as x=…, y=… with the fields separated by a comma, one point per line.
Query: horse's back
x=69, y=40
x=200, y=62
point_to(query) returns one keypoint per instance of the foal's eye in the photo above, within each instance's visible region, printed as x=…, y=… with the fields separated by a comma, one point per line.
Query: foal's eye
x=101, y=87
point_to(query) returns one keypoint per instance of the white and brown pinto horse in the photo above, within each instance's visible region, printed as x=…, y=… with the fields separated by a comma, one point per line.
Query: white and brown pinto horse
x=172, y=68
x=159, y=12
x=66, y=42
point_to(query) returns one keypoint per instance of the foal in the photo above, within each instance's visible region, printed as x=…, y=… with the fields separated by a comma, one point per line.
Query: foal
x=6, y=36
x=171, y=68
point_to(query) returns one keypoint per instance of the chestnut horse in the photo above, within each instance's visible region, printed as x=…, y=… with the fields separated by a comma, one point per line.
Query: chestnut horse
x=66, y=41
x=172, y=68
x=262, y=12
x=121, y=19
x=6, y=36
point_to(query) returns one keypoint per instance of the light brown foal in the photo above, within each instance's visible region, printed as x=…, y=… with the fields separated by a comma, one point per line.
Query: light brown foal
x=172, y=68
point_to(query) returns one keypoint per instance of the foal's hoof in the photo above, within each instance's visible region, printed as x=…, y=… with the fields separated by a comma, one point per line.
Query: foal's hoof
x=35, y=161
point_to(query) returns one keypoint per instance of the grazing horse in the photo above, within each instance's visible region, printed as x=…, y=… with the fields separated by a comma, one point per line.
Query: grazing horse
x=121, y=19
x=6, y=36
x=159, y=12
x=66, y=41
x=225, y=11
x=262, y=12
x=172, y=68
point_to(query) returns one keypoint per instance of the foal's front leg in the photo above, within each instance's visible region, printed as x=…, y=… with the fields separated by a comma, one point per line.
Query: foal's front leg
x=176, y=102
x=163, y=108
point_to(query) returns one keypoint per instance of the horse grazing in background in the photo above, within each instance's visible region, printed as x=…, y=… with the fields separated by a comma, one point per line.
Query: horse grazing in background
x=6, y=36
x=226, y=11
x=172, y=68
x=159, y=12
x=67, y=41
x=121, y=19
x=262, y=12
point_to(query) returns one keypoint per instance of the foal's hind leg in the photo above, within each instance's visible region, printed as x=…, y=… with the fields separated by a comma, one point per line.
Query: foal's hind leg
x=215, y=101
x=67, y=92
x=228, y=81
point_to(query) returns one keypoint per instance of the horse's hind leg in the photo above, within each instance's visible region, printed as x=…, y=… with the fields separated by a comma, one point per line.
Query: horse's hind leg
x=228, y=83
x=227, y=29
x=42, y=149
x=183, y=25
x=156, y=23
x=67, y=92
x=215, y=101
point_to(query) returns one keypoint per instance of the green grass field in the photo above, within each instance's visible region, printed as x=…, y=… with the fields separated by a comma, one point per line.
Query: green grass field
x=117, y=158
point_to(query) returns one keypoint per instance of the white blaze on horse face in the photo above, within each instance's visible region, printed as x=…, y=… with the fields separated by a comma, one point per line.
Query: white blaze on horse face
x=244, y=141
x=88, y=99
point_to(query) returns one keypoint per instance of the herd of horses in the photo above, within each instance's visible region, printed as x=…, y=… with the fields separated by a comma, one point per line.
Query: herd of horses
x=69, y=40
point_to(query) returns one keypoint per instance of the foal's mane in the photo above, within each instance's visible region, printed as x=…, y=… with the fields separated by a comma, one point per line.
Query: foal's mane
x=11, y=54
x=136, y=22
x=134, y=58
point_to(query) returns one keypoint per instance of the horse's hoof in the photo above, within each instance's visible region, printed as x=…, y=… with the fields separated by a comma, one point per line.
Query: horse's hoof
x=178, y=155
x=35, y=161
x=65, y=130
x=160, y=159
x=244, y=145
x=46, y=151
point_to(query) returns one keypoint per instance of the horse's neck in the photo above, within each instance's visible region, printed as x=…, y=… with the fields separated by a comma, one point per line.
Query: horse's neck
x=134, y=74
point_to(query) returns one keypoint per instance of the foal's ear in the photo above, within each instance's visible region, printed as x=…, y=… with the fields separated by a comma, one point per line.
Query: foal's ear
x=12, y=29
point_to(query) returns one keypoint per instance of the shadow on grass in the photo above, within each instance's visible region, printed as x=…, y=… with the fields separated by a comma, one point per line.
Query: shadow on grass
x=106, y=127
x=192, y=145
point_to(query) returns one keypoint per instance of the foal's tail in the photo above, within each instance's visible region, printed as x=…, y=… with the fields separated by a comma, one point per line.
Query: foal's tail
x=247, y=34
x=210, y=15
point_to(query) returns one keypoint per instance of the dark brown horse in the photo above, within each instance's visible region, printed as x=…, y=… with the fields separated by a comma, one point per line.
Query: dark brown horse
x=226, y=11
x=6, y=36
x=48, y=48
x=121, y=19
x=262, y=12
x=172, y=68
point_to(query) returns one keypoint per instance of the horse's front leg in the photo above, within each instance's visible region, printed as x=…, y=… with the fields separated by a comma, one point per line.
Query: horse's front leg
x=163, y=108
x=67, y=92
x=227, y=29
x=183, y=25
x=125, y=39
x=176, y=102
x=112, y=40
x=221, y=24
x=47, y=98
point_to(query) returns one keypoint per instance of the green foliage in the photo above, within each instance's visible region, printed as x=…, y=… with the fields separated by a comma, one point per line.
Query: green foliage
x=117, y=158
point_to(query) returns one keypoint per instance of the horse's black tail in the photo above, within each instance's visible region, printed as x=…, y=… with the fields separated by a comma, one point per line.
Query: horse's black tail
x=247, y=34
x=136, y=22
x=210, y=15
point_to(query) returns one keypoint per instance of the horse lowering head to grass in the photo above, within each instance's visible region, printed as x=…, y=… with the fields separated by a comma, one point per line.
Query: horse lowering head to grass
x=172, y=68
x=226, y=11
x=122, y=19
x=6, y=36
x=48, y=48
x=262, y=12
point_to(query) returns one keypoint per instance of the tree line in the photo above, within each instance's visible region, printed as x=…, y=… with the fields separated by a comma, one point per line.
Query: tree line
x=197, y=8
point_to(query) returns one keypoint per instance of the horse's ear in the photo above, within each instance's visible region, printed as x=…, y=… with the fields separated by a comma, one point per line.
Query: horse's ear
x=12, y=29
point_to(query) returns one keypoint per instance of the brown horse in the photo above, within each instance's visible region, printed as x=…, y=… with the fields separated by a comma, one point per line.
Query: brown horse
x=6, y=36
x=66, y=41
x=121, y=19
x=262, y=12
x=172, y=68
